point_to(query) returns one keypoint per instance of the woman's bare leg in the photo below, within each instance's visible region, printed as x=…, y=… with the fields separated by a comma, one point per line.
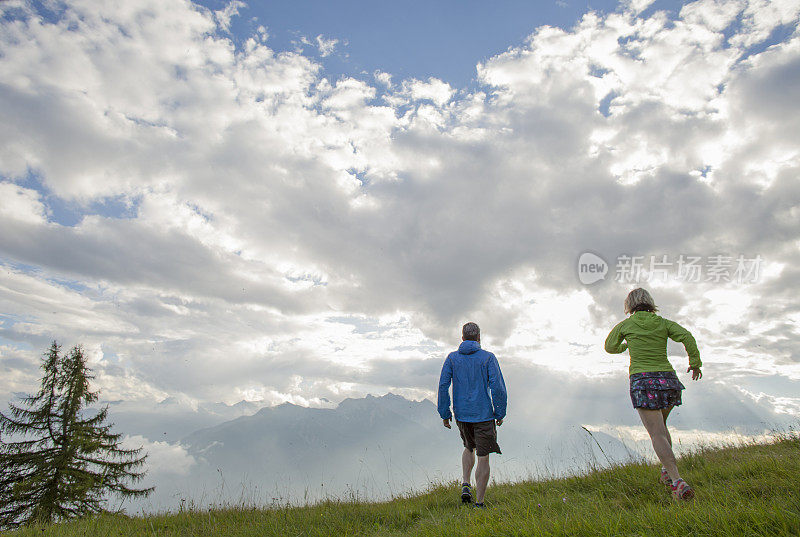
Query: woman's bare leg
x=654, y=422
x=665, y=413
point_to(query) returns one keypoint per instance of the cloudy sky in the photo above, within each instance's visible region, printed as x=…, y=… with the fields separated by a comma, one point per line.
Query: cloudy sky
x=304, y=201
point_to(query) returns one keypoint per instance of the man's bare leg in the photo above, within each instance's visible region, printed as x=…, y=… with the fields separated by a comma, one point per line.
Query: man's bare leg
x=467, y=462
x=481, y=478
x=655, y=424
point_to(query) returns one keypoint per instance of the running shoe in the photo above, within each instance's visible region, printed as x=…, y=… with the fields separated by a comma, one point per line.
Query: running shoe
x=665, y=479
x=466, y=493
x=681, y=490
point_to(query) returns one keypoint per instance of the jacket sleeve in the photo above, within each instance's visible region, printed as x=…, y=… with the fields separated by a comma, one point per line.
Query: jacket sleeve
x=498, y=388
x=614, y=344
x=678, y=333
x=444, y=390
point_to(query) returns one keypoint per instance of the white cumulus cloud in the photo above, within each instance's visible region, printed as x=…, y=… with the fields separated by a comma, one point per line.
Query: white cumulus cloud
x=290, y=237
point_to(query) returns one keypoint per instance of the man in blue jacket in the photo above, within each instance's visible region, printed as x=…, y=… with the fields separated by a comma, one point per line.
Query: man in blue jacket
x=474, y=373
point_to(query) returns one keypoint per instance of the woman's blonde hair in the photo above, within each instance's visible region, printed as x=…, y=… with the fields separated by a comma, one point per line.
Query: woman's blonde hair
x=639, y=300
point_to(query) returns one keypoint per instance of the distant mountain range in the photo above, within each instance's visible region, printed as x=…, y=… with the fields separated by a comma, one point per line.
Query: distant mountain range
x=170, y=420
x=372, y=447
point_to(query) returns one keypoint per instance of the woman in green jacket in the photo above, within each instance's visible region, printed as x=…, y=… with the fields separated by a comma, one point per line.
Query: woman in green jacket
x=654, y=385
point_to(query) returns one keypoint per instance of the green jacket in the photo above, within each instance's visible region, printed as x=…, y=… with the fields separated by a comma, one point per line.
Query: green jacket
x=646, y=334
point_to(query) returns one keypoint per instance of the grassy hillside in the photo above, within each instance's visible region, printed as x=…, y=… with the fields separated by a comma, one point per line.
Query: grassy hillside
x=741, y=491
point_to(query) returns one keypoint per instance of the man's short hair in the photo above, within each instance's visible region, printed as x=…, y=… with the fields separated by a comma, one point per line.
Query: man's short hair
x=471, y=331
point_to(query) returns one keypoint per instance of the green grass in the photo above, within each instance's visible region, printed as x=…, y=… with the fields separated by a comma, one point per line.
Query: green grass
x=744, y=490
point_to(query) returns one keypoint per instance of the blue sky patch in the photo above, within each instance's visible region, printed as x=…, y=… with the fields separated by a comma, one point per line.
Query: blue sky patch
x=71, y=213
x=414, y=39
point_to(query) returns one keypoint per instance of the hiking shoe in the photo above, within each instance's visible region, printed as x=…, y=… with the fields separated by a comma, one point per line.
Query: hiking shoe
x=466, y=493
x=665, y=479
x=480, y=505
x=681, y=490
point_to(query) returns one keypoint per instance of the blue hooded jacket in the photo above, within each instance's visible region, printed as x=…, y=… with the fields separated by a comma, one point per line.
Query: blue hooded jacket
x=474, y=373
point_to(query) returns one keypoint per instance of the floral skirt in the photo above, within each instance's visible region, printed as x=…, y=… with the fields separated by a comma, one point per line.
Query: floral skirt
x=656, y=390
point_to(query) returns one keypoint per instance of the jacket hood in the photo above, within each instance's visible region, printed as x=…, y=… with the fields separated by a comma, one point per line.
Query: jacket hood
x=469, y=347
x=646, y=320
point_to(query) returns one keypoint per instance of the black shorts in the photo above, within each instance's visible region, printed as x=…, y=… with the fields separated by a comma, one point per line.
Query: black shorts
x=481, y=435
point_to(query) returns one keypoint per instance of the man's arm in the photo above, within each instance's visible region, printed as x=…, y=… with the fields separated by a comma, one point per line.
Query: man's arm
x=444, y=392
x=497, y=386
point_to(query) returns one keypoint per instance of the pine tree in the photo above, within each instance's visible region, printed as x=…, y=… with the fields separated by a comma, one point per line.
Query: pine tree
x=62, y=464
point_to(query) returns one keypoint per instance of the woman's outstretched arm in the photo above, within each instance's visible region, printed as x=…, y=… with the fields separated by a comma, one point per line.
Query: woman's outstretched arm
x=678, y=333
x=614, y=344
